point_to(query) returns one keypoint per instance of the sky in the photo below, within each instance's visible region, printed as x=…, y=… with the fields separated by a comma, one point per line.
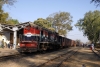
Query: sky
x=31, y=10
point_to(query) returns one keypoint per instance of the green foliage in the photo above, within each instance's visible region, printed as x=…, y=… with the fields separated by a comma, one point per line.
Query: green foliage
x=97, y=45
x=61, y=21
x=97, y=2
x=90, y=25
x=43, y=23
x=8, y=2
x=12, y=21
x=3, y=16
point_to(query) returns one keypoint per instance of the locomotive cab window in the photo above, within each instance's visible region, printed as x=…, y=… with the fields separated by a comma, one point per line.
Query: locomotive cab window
x=25, y=38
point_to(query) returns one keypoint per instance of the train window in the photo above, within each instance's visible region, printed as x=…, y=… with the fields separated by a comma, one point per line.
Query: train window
x=34, y=38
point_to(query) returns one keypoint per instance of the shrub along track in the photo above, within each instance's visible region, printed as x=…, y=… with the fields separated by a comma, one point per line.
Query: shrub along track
x=58, y=61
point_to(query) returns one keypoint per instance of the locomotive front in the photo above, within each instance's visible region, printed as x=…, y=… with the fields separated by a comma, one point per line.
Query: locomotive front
x=29, y=39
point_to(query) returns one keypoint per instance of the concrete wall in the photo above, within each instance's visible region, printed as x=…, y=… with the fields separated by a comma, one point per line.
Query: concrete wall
x=5, y=36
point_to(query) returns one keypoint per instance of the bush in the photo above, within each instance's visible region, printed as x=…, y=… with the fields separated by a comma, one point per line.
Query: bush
x=97, y=45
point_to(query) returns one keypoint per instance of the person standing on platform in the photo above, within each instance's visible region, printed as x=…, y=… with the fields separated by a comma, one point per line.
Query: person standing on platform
x=2, y=43
x=83, y=45
x=92, y=45
x=8, y=44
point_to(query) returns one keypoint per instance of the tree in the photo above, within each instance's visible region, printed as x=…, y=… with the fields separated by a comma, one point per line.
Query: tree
x=97, y=2
x=43, y=23
x=12, y=21
x=90, y=25
x=4, y=18
x=78, y=42
x=8, y=2
x=4, y=15
x=61, y=22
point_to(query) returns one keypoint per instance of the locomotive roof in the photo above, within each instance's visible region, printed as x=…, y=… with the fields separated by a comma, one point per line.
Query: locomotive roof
x=34, y=25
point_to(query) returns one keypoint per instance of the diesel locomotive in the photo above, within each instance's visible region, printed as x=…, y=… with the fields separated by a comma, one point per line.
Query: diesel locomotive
x=35, y=38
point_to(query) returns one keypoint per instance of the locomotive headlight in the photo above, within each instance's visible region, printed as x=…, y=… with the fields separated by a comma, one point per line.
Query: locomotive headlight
x=28, y=34
x=23, y=44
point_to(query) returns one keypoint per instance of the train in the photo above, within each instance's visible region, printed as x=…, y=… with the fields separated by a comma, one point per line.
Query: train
x=34, y=38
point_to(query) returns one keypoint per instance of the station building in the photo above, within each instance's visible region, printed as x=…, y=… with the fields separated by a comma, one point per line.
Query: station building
x=11, y=32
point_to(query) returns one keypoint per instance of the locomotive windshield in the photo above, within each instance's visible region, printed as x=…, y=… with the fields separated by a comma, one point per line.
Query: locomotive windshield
x=25, y=38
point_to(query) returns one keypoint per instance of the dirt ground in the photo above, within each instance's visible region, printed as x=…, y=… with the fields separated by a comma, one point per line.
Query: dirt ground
x=32, y=60
x=98, y=49
x=84, y=57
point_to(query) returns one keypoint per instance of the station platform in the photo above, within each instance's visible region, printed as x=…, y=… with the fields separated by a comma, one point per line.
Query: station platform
x=7, y=52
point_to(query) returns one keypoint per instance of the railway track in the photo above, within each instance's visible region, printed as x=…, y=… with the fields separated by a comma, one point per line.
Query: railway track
x=16, y=56
x=10, y=57
x=21, y=55
x=58, y=61
x=27, y=54
x=51, y=59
